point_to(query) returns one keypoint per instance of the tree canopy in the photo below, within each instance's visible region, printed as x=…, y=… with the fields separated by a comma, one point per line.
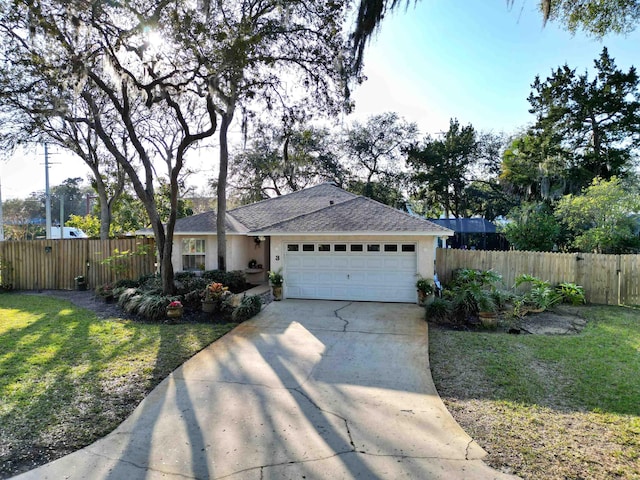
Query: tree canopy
x=593, y=125
x=153, y=79
x=601, y=219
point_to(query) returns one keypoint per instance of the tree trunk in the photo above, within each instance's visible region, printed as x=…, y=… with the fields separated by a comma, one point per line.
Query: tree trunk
x=103, y=200
x=222, y=190
x=105, y=217
x=166, y=268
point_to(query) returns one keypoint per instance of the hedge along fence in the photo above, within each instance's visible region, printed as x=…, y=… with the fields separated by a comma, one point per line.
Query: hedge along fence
x=607, y=279
x=54, y=264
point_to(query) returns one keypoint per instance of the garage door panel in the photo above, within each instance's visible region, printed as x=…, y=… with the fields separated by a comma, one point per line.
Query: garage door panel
x=326, y=277
x=365, y=276
x=309, y=262
x=294, y=262
x=357, y=262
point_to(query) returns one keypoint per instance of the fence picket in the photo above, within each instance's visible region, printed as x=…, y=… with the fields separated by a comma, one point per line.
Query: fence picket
x=54, y=264
x=606, y=279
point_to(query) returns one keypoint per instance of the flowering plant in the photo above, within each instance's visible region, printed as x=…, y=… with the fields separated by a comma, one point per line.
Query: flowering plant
x=105, y=290
x=275, y=278
x=175, y=304
x=215, y=291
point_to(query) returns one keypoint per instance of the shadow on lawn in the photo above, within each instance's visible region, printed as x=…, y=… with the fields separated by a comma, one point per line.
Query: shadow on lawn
x=69, y=378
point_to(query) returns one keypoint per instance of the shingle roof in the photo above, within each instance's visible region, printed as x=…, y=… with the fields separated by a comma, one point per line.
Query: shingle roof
x=206, y=223
x=267, y=212
x=359, y=214
x=324, y=208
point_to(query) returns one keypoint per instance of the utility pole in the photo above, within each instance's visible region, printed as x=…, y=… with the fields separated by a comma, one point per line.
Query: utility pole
x=61, y=216
x=47, y=193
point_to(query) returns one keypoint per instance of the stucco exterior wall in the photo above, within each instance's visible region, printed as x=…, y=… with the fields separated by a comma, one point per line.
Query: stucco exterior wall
x=240, y=250
x=211, y=251
x=271, y=252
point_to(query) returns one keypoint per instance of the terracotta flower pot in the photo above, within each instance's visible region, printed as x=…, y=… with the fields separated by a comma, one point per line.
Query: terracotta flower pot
x=174, y=312
x=208, y=306
x=424, y=298
x=277, y=293
x=488, y=319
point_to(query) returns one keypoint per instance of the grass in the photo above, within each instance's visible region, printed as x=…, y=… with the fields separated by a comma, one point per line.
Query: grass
x=548, y=407
x=68, y=378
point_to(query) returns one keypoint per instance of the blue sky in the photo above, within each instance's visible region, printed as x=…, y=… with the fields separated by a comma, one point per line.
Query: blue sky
x=474, y=60
x=470, y=59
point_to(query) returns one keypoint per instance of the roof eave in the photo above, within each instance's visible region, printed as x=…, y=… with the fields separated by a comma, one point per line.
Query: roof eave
x=448, y=233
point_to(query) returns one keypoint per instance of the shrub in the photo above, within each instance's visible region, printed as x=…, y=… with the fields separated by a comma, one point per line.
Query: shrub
x=473, y=291
x=571, y=293
x=235, y=280
x=126, y=284
x=541, y=295
x=131, y=303
x=151, y=281
x=501, y=298
x=105, y=290
x=249, y=307
x=189, y=284
x=148, y=276
x=193, y=299
x=438, y=311
x=125, y=295
x=152, y=307
x=180, y=276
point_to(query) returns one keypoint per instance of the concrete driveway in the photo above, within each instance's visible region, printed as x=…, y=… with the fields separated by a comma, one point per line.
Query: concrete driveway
x=307, y=389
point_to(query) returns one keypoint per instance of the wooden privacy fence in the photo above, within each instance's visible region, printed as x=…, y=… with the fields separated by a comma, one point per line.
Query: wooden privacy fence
x=607, y=279
x=54, y=264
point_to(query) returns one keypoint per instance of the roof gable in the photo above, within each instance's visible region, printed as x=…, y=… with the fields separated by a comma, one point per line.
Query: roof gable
x=260, y=215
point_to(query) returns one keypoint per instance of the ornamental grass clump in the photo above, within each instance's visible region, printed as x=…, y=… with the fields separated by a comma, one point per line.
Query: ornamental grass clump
x=249, y=307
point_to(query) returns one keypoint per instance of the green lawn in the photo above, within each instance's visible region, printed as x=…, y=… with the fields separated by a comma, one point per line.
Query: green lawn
x=67, y=378
x=549, y=406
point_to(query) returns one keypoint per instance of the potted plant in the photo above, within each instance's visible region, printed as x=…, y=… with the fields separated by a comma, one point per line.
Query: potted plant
x=487, y=309
x=425, y=289
x=276, y=280
x=473, y=294
x=214, y=294
x=174, y=309
x=81, y=283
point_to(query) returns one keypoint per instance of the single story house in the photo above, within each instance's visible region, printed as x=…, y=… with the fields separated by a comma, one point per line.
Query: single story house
x=330, y=244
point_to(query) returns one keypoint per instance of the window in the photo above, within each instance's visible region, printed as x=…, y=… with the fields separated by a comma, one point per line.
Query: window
x=292, y=247
x=193, y=254
x=340, y=247
x=408, y=247
x=357, y=248
x=373, y=247
x=390, y=248
x=324, y=247
x=308, y=247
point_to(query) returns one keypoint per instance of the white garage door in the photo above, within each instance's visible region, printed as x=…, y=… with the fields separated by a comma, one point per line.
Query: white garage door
x=382, y=272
